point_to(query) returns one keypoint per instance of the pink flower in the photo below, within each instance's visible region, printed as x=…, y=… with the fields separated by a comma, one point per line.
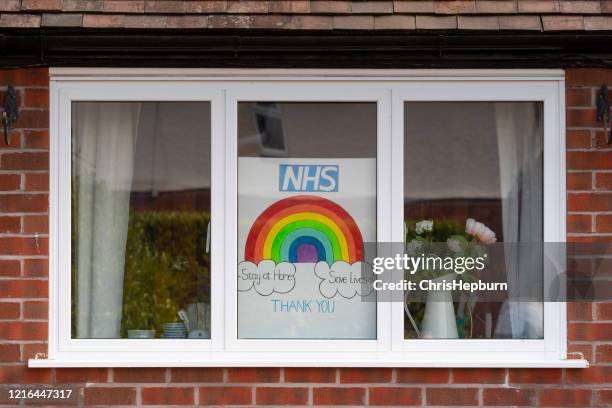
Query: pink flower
x=480, y=231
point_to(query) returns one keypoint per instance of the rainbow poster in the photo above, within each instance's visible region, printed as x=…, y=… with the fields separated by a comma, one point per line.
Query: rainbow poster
x=302, y=225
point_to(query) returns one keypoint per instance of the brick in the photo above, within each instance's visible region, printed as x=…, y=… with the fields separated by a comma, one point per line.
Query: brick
x=142, y=375
x=164, y=6
x=592, y=375
x=579, y=97
x=226, y=395
x=219, y=21
x=21, y=374
x=271, y=21
x=9, y=353
x=82, y=5
x=603, y=223
x=589, y=331
x=81, y=375
x=588, y=77
x=35, y=267
x=10, y=5
x=60, y=20
x=290, y=6
x=310, y=375
x=10, y=310
x=41, y=5
x=15, y=136
x=396, y=22
x=247, y=6
x=589, y=202
x=121, y=6
x=196, y=375
x=560, y=23
x=281, y=396
x=596, y=160
x=423, y=375
x=312, y=22
x=452, y=396
x=579, y=311
x=603, y=398
x=110, y=396
x=35, y=309
x=20, y=20
x=338, y=396
x=23, y=331
x=365, y=375
x=454, y=6
x=565, y=397
x=22, y=288
x=603, y=311
x=33, y=119
x=580, y=6
x=581, y=118
x=580, y=351
x=10, y=182
x=187, y=21
x=207, y=6
x=103, y=20
x=24, y=203
x=479, y=375
x=148, y=21
x=496, y=6
x=24, y=161
x=10, y=267
x=36, y=224
x=478, y=22
x=508, y=397
x=578, y=139
x=579, y=223
x=538, y=6
x=251, y=375
x=37, y=181
x=603, y=353
x=24, y=246
x=394, y=396
x=167, y=396
x=353, y=22
x=598, y=23
x=34, y=350
x=36, y=139
x=36, y=98
x=436, y=22
x=372, y=7
x=25, y=77
x=330, y=7
x=409, y=6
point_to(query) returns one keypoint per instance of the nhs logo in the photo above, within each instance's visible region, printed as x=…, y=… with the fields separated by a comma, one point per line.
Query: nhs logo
x=308, y=177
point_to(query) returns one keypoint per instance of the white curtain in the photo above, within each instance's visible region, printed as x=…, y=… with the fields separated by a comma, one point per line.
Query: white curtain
x=104, y=134
x=520, y=146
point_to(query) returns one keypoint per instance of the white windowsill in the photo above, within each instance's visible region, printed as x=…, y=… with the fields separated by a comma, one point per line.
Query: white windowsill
x=245, y=361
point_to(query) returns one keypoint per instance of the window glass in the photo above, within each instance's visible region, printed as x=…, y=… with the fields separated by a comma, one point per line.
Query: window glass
x=475, y=170
x=140, y=219
x=306, y=205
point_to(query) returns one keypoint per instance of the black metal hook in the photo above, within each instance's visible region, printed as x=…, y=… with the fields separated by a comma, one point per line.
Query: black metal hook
x=10, y=113
x=603, y=112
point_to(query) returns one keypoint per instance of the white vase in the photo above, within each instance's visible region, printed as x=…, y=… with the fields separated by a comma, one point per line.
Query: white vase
x=439, y=321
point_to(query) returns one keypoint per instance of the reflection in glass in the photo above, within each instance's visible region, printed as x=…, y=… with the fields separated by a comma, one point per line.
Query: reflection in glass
x=140, y=218
x=481, y=161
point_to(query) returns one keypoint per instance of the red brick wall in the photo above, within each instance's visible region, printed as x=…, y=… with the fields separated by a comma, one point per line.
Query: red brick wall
x=23, y=295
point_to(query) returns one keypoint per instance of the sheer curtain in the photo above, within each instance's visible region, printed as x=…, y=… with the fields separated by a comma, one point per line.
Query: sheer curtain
x=520, y=146
x=104, y=134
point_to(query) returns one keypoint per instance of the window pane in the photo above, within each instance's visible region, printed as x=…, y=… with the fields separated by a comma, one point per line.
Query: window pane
x=140, y=217
x=306, y=205
x=481, y=161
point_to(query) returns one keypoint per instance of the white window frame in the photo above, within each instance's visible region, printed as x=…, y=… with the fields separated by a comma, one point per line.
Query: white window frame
x=223, y=89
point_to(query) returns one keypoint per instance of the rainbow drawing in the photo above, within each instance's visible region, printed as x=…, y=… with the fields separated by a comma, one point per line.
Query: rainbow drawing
x=304, y=228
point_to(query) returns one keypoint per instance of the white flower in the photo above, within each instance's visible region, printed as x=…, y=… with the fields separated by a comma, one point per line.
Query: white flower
x=453, y=244
x=480, y=231
x=424, y=225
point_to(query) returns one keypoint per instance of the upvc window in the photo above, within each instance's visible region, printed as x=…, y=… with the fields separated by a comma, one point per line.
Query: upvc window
x=227, y=198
